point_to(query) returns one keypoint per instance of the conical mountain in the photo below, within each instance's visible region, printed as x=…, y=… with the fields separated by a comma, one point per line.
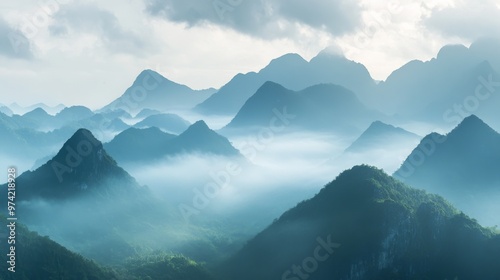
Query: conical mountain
x=199, y=138
x=380, y=135
x=80, y=167
x=152, y=90
x=367, y=225
x=466, y=158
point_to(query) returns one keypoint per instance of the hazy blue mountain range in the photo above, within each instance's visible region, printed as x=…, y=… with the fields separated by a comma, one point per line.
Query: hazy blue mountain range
x=37, y=133
x=150, y=144
x=18, y=109
x=383, y=136
x=429, y=90
x=170, y=123
x=293, y=72
x=153, y=91
x=323, y=107
x=367, y=225
x=144, y=113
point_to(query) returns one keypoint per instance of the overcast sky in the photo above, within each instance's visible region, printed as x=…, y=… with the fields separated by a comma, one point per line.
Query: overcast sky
x=88, y=52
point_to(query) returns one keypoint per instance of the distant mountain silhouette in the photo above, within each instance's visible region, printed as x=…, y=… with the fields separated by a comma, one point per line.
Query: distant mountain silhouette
x=367, y=225
x=199, y=138
x=74, y=113
x=381, y=136
x=152, y=90
x=467, y=157
x=293, y=72
x=119, y=113
x=37, y=119
x=20, y=110
x=432, y=90
x=150, y=144
x=321, y=107
x=81, y=167
x=137, y=145
x=6, y=110
x=462, y=166
x=144, y=113
x=168, y=122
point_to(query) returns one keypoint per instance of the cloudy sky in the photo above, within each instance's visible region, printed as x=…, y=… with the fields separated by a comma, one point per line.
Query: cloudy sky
x=88, y=52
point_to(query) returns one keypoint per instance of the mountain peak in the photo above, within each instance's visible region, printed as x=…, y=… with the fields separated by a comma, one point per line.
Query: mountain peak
x=81, y=166
x=380, y=135
x=199, y=129
x=82, y=143
x=199, y=125
x=379, y=125
x=270, y=86
x=287, y=60
x=472, y=125
x=332, y=51
x=452, y=52
x=148, y=73
x=200, y=138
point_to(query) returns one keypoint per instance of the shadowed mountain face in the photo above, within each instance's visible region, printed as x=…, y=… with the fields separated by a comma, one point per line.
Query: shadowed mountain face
x=320, y=107
x=293, y=72
x=462, y=166
x=466, y=158
x=81, y=167
x=143, y=145
x=152, y=90
x=381, y=136
x=367, y=225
